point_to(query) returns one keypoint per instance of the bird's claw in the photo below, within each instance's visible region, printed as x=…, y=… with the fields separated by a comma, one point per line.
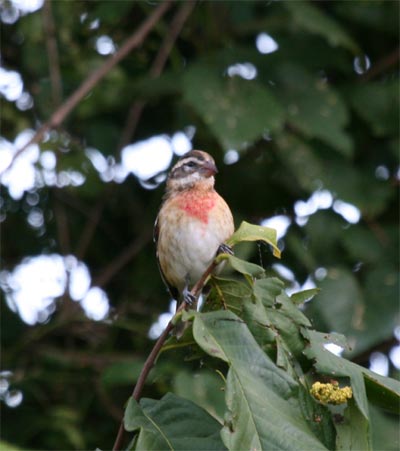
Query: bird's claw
x=188, y=297
x=224, y=249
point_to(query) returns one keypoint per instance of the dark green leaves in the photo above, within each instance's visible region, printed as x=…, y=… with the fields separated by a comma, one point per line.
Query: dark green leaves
x=237, y=111
x=311, y=18
x=260, y=396
x=173, y=423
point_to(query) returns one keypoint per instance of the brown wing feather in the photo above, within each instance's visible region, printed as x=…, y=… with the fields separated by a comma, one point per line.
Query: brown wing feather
x=173, y=290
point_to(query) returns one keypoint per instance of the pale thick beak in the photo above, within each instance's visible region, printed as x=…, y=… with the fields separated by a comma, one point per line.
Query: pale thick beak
x=208, y=169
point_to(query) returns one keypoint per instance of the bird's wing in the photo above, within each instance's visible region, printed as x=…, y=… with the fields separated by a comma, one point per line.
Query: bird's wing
x=173, y=290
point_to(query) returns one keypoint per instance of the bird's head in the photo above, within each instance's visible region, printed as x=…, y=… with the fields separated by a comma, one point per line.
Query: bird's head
x=195, y=169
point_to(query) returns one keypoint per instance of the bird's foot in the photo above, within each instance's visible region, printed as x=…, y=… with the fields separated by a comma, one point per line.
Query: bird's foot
x=188, y=297
x=224, y=249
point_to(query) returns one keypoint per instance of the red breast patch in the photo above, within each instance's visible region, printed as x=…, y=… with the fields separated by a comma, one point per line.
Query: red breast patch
x=197, y=205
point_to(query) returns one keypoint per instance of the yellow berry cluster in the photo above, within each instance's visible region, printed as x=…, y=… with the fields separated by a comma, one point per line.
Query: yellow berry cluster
x=331, y=393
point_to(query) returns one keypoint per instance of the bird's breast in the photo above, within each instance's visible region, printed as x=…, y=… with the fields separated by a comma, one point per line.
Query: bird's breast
x=197, y=206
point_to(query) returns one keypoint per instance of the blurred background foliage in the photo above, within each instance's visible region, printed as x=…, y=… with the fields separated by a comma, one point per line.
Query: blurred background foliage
x=297, y=102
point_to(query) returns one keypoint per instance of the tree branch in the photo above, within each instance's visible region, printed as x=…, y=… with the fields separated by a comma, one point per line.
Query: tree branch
x=149, y=363
x=122, y=259
x=62, y=112
x=136, y=109
x=52, y=54
x=380, y=66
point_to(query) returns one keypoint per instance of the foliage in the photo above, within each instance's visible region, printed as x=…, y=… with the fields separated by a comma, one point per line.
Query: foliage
x=271, y=400
x=306, y=132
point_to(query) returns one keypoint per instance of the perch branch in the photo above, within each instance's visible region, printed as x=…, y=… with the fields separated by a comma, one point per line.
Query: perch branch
x=62, y=112
x=149, y=363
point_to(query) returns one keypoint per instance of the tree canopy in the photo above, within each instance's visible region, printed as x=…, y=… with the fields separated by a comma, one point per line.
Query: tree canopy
x=298, y=102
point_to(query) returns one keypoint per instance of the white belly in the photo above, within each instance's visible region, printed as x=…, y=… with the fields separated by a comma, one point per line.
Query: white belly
x=186, y=250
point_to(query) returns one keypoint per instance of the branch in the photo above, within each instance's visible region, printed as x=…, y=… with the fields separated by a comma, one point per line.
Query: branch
x=91, y=224
x=62, y=112
x=149, y=363
x=62, y=227
x=122, y=259
x=52, y=54
x=136, y=109
x=380, y=66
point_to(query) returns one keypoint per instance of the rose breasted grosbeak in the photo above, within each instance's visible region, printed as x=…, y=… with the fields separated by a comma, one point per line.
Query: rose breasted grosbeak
x=193, y=223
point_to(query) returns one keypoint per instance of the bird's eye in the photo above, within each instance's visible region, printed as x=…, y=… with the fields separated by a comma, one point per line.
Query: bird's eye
x=190, y=164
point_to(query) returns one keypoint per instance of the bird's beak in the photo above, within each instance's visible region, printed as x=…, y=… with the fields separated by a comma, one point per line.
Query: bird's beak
x=208, y=169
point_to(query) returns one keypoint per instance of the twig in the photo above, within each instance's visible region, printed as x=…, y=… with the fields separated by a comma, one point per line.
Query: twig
x=380, y=66
x=136, y=109
x=62, y=227
x=91, y=224
x=62, y=112
x=52, y=53
x=149, y=363
x=122, y=259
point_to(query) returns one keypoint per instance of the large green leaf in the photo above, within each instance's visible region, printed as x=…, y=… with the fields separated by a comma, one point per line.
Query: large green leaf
x=253, y=232
x=246, y=268
x=377, y=104
x=352, y=430
x=313, y=19
x=237, y=111
x=261, y=398
x=300, y=161
x=172, y=423
x=314, y=107
x=305, y=295
x=340, y=302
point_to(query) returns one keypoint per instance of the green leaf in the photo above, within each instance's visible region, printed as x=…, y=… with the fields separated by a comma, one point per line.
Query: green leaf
x=382, y=391
x=237, y=111
x=172, y=423
x=305, y=295
x=377, y=104
x=312, y=19
x=340, y=303
x=205, y=388
x=300, y=161
x=268, y=289
x=314, y=107
x=353, y=430
x=253, y=232
x=381, y=289
x=385, y=430
x=260, y=396
x=231, y=294
x=246, y=268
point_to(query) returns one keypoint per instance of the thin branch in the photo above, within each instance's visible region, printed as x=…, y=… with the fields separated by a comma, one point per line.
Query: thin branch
x=52, y=54
x=62, y=112
x=136, y=109
x=62, y=227
x=380, y=66
x=122, y=259
x=169, y=41
x=149, y=363
x=91, y=224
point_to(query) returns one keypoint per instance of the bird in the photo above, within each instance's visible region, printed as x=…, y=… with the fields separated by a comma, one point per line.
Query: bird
x=192, y=225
